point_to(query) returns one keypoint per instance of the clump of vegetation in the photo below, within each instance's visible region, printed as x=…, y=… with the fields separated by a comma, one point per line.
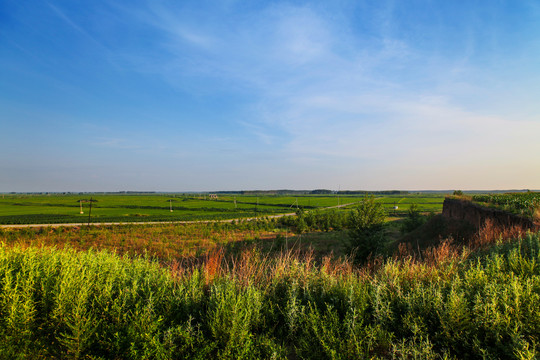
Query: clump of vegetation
x=414, y=220
x=365, y=225
x=525, y=204
x=316, y=220
x=59, y=303
x=367, y=228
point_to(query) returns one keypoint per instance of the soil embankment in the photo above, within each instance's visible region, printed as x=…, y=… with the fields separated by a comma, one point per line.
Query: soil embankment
x=464, y=221
x=477, y=215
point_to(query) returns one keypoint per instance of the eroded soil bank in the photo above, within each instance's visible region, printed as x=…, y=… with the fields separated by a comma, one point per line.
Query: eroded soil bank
x=477, y=215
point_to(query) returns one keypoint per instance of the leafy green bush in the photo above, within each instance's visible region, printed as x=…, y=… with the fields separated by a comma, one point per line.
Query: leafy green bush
x=366, y=228
x=71, y=305
x=315, y=220
x=413, y=220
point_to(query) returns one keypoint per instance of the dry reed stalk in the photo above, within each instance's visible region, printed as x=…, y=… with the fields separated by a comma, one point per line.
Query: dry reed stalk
x=183, y=267
x=282, y=263
x=373, y=265
x=405, y=252
x=337, y=266
x=177, y=269
x=490, y=233
x=536, y=216
x=327, y=265
x=444, y=252
x=250, y=267
x=213, y=264
x=307, y=259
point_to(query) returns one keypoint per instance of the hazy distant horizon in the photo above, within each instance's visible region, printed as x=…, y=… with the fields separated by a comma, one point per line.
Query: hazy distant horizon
x=109, y=95
x=266, y=190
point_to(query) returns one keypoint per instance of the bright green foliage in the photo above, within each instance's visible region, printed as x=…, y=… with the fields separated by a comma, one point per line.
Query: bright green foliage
x=315, y=220
x=366, y=224
x=368, y=214
x=413, y=220
x=76, y=305
x=526, y=203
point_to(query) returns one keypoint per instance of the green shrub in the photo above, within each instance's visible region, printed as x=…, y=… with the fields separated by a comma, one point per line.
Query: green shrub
x=413, y=220
x=367, y=229
x=74, y=305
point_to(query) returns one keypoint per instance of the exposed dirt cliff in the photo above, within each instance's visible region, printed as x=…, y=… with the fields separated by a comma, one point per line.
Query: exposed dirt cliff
x=461, y=209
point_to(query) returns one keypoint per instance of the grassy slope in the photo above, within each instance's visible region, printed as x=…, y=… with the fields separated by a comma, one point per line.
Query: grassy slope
x=63, y=303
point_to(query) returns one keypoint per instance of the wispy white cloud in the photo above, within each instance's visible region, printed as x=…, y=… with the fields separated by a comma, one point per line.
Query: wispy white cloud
x=73, y=24
x=311, y=77
x=366, y=94
x=321, y=91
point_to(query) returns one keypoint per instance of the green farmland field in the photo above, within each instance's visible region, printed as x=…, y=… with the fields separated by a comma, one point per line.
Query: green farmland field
x=525, y=203
x=59, y=208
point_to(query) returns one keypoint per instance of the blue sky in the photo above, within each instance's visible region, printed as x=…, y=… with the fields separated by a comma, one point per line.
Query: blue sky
x=231, y=95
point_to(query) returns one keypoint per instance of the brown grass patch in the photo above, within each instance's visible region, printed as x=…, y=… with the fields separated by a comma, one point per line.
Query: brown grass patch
x=165, y=242
x=491, y=233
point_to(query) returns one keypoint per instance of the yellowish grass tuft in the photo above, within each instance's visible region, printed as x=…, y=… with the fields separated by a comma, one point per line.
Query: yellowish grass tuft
x=537, y=214
x=490, y=233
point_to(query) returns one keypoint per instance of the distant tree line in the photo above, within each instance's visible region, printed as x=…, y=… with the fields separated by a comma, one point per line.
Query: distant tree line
x=264, y=192
x=313, y=192
x=363, y=192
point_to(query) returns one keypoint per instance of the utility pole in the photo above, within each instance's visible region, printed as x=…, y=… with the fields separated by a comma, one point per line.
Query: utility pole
x=235, y=202
x=80, y=205
x=90, y=211
x=170, y=204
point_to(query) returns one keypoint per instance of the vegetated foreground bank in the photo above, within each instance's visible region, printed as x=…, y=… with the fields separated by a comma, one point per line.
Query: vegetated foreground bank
x=60, y=303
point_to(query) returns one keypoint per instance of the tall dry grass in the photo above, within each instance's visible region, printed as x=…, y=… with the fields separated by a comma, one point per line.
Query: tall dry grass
x=491, y=233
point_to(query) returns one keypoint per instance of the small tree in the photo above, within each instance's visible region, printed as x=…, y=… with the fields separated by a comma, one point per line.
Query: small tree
x=413, y=220
x=301, y=225
x=366, y=224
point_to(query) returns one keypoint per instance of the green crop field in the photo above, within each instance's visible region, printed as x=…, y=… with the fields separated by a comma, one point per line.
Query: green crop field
x=527, y=203
x=60, y=208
